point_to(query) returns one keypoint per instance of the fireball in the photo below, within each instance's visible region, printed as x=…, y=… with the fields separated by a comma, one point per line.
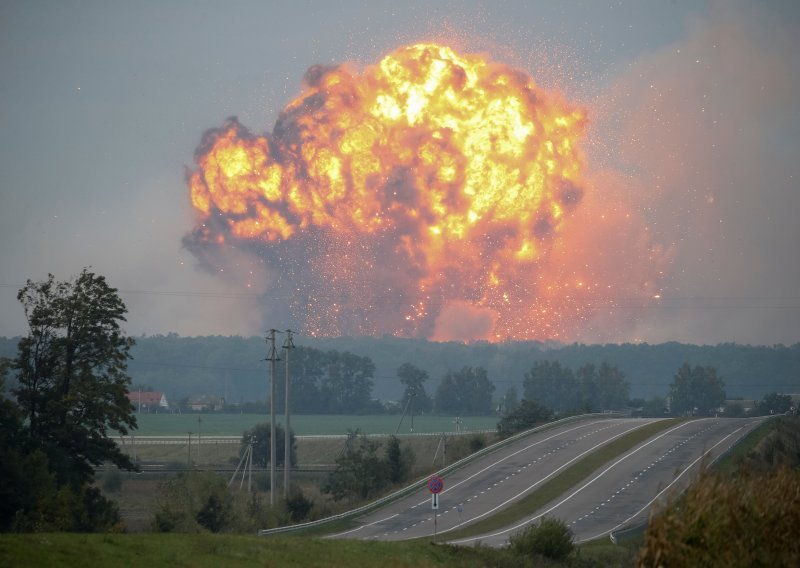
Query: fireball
x=422, y=194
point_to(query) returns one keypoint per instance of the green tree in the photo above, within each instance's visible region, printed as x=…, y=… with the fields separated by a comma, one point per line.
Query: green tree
x=696, y=390
x=655, y=406
x=260, y=435
x=510, y=400
x=774, y=403
x=348, y=388
x=465, y=392
x=612, y=388
x=298, y=505
x=398, y=464
x=414, y=379
x=24, y=474
x=193, y=501
x=306, y=373
x=72, y=374
x=215, y=513
x=360, y=472
x=549, y=537
x=553, y=386
x=586, y=376
x=526, y=415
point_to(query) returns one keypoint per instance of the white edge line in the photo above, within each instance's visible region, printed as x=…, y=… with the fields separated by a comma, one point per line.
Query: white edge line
x=654, y=499
x=571, y=495
x=361, y=527
x=545, y=478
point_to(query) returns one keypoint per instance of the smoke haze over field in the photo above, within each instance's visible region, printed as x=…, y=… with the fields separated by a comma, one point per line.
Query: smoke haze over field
x=690, y=178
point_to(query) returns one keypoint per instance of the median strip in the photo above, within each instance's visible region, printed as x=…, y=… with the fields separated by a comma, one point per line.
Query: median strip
x=566, y=480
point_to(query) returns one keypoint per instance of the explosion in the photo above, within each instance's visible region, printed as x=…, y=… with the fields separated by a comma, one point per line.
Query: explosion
x=417, y=197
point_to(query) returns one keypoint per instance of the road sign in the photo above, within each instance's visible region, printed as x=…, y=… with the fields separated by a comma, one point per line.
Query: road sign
x=434, y=501
x=435, y=484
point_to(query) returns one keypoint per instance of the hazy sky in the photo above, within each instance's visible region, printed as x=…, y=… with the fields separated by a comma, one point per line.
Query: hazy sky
x=694, y=124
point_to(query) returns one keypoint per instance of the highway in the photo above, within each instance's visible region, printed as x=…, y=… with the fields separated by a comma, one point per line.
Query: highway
x=618, y=494
x=492, y=482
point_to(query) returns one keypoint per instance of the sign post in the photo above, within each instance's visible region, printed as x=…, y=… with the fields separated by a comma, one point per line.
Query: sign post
x=435, y=486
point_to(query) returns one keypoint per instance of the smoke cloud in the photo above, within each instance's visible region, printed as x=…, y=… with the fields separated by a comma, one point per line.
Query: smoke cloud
x=430, y=191
x=665, y=230
x=705, y=132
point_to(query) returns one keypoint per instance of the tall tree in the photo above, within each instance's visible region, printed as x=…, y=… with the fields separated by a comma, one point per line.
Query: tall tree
x=72, y=373
x=510, y=400
x=696, y=390
x=553, y=386
x=612, y=388
x=307, y=371
x=586, y=376
x=468, y=391
x=774, y=403
x=398, y=462
x=259, y=436
x=413, y=378
x=348, y=387
x=360, y=472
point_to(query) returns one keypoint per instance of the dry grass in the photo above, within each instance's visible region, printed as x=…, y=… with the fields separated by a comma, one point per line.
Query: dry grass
x=749, y=520
x=138, y=494
x=747, y=516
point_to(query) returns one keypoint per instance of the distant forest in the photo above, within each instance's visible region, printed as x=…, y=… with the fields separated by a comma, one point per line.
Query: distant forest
x=235, y=367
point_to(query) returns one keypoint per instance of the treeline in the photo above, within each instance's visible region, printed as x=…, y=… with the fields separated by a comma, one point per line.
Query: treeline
x=749, y=371
x=234, y=367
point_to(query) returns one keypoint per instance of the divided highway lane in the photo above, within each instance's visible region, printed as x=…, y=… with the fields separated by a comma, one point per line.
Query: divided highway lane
x=492, y=482
x=621, y=492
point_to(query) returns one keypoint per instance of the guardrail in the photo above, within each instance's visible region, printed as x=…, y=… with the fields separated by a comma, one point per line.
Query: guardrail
x=218, y=439
x=637, y=528
x=421, y=483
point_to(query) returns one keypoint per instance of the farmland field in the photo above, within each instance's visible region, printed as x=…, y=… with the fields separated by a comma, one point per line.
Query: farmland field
x=305, y=425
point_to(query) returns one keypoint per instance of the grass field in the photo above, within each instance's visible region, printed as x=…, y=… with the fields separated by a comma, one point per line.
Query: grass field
x=219, y=550
x=304, y=425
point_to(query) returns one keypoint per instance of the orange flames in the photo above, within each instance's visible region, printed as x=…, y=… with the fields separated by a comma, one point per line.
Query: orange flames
x=420, y=196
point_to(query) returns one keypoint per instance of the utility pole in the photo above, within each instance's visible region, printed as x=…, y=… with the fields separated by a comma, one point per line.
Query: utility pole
x=287, y=447
x=411, y=406
x=273, y=357
x=198, y=438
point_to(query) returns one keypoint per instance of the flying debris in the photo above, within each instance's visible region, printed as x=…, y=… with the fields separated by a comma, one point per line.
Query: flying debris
x=422, y=196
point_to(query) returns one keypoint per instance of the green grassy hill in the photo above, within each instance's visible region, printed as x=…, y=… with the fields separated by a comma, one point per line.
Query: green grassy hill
x=221, y=551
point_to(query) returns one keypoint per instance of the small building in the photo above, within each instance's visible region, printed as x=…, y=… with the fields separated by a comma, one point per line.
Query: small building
x=205, y=402
x=148, y=401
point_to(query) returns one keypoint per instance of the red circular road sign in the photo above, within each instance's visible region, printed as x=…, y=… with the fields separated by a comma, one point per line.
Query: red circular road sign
x=435, y=484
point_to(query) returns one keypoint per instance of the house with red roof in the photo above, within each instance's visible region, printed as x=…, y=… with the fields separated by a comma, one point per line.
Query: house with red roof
x=148, y=401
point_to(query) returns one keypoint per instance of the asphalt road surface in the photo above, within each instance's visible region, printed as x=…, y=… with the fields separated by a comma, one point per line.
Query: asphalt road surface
x=620, y=493
x=492, y=482
x=616, y=495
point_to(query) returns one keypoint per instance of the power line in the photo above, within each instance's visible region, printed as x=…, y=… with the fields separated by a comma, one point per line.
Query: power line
x=594, y=302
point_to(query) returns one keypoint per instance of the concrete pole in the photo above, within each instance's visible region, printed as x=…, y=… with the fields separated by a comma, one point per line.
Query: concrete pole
x=287, y=447
x=273, y=357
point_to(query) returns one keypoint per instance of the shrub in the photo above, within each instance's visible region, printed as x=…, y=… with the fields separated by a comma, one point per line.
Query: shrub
x=297, y=505
x=112, y=480
x=477, y=442
x=549, y=537
x=71, y=509
x=194, y=501
x=216, y=513
x=526, y=415
x=748, y=520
